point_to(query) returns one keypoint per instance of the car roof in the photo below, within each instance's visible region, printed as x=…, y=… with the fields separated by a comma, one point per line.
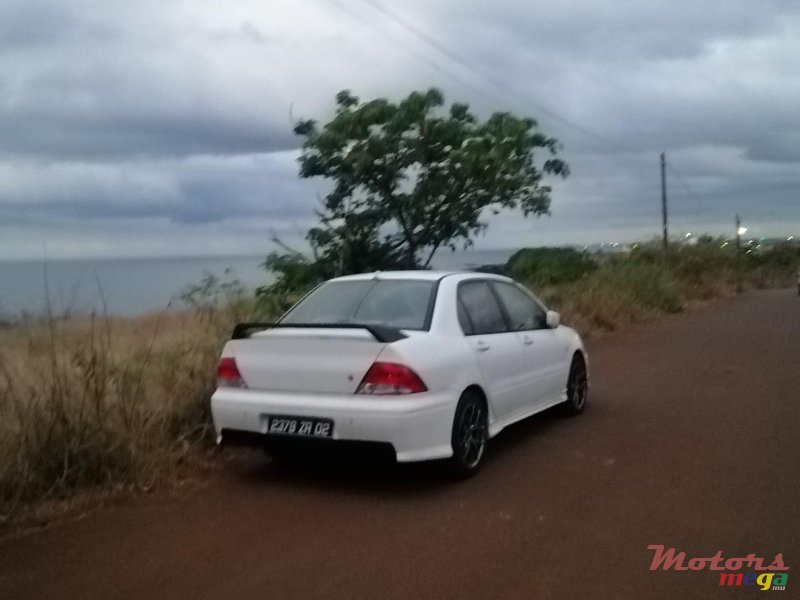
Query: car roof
x=418, y=275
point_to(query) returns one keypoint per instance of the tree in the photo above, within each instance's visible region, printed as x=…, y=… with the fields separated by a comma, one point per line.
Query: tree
x=410, y=178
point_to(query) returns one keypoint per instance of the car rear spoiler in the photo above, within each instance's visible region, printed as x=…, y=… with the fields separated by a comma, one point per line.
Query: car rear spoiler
x=381, y=333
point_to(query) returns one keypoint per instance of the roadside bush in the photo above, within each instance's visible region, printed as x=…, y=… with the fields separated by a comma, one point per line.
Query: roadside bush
x=647, y=281
x=703, y=271
x=620, y=291
x=550, y=266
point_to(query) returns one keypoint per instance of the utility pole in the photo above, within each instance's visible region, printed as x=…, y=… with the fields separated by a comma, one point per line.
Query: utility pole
x=738, y=231
x=664, y=197
x=739, y=286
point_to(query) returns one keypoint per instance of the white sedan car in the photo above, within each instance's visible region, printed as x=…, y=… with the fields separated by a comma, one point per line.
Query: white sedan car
x=433, y=363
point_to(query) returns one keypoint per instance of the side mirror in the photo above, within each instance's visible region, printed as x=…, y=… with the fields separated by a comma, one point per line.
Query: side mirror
x=553, y=319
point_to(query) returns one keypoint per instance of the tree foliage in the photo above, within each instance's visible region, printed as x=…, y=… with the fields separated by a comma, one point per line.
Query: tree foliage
x=409, y=178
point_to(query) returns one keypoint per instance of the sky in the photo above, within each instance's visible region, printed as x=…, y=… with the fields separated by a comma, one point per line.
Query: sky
x=164, y=128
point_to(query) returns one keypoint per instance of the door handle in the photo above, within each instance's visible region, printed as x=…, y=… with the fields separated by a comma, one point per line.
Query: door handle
x=481, y=347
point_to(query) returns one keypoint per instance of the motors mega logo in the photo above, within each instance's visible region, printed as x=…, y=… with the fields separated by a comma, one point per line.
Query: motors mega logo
x=748, y=571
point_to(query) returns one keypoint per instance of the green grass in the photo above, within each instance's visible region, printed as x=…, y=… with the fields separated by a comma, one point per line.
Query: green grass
x=646, y=282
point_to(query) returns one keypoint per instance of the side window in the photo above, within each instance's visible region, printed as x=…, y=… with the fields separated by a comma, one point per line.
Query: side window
x=480, y=309
x=523, y=312
x=464, y=320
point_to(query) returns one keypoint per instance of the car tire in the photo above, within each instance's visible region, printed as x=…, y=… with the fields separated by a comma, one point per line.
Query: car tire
x=469, y=435
x=577, y=387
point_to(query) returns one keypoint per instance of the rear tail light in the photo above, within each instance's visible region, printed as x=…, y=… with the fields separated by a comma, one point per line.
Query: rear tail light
x=390, y=378
x=228, y=373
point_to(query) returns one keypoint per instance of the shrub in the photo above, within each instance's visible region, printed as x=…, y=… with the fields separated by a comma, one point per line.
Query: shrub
x=550, y=266
x=620, y=291
x=647, y=281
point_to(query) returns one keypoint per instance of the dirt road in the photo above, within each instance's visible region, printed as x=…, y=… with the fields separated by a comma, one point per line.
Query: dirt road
x=692, y=440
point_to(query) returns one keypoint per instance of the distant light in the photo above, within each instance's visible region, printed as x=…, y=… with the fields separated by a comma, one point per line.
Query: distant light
x=749, y=251
x=723, y=245
x=742, y=230
x=688, y=234
x=790, y=238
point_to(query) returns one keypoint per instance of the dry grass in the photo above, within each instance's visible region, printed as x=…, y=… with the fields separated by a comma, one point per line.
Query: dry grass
x=99, y=402
x=634, y=288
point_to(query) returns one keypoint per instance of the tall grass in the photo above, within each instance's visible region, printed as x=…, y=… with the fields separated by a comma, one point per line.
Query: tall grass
x=633, y=287
x=99, y=402
x=614, y=295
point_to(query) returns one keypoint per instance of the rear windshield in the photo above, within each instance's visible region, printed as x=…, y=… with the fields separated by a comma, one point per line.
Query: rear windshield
x=399, y=303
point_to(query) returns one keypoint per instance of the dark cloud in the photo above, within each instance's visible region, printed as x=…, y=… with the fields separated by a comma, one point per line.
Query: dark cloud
x=165, y=132
x=153, y=119
x=203, y=189
x=26, y=25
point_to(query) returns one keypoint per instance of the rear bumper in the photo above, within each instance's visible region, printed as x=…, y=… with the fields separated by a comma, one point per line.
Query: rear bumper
x=417, y=426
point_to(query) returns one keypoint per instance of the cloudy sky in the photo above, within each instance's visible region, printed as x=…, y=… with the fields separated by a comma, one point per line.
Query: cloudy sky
x=153, y=128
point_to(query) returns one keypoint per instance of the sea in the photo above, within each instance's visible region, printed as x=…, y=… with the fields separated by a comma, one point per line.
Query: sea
x=133, y=286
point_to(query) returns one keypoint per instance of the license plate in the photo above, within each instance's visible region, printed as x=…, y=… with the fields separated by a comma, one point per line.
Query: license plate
x=299, y=426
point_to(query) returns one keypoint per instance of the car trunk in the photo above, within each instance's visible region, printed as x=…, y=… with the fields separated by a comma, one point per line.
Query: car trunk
x=325, y=361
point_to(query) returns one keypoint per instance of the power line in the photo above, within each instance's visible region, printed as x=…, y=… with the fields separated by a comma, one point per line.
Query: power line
x=369, y=25
x=452, y=56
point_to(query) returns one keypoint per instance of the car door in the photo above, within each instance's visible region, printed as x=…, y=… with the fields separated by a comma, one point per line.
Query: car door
x=543, y=349
x=496, y=349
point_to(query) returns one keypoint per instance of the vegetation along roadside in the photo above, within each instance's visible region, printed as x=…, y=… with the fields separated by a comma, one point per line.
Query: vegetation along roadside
x=98, y=403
